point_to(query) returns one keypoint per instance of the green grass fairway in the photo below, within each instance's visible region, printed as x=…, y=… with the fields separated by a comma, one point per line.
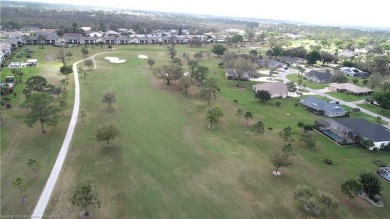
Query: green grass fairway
x=166, y=163
x=375, y=109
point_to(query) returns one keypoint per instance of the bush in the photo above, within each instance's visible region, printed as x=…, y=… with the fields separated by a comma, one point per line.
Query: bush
x=300, y=124
x=308, y=127
x=278, y=103
x=235, y=101
x=66, y=69
x=220, y=65
x=270, y=128
x=328, y=161
x=296, y=104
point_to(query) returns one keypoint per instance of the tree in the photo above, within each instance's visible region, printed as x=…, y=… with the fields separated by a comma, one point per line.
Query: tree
x=339, y=77
x=218, y=49
x=312, y=57
x=277, y=51
x=66, y=70
x=253, y=52
x=382, y=99
x=243, y=67
x=347, y=63
x=209, y=89
x=151, y=62
x=308, y=139
x=200, y=74
x=314, y=203
x=20, y=74
x=34, y=165
x=177, y=61
x=109, y=97
x=186, y=82
x=326, y=201
x=198, y=55
x=63, y=57
x=355, y=81
x=371, y=184
x=168, y=72
x=376, y=80
x=263, y=95
x=88, y=63
x=41, y=108
x=351, y=188
x=84, y=51
x=237, y=38
x=172, y=51
x=291, y=87
x=193, y=65
x=109, y=47
x=381, y=64
x=301, y=70
x=258, y=128
x=367, y=182
x=106, y=133
x=280, y=159
x=326, y=57
x=247, y=116
x=286, y=134
x=21, y=185
x=85, y=196
x=239, y=113
x=213, y=114
x=83, y=114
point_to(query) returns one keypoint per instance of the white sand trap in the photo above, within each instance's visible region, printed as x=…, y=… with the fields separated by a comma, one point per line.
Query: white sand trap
x=115, y=60
x=143, y=57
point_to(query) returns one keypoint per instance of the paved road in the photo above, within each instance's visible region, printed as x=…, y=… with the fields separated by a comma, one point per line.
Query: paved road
x=52, y=180
x=283, y=76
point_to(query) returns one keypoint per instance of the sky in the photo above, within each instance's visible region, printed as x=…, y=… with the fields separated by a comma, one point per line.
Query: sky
x=372, y=13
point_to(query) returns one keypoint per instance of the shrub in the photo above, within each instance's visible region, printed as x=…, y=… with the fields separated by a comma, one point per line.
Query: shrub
x=66, y=69
x=278, y=103
x=220, y=65
x=300, y=124
x=307, y=127
x=328, y=161
x=235, y=101
x=270, y=128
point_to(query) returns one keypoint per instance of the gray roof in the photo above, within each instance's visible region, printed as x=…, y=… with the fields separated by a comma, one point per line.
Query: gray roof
x=320, y=75
x=371, y=131
x=271, y=63
x=88, y=38
x=318, y=104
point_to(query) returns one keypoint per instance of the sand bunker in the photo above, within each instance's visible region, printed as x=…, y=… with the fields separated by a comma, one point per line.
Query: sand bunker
x=143, y=57
x=115, y=60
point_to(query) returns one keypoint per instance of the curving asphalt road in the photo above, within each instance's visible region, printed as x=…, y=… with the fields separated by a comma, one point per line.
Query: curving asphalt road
x=283, y=76
x=52, y=180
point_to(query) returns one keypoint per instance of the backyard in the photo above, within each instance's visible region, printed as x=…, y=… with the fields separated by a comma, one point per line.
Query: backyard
x=167, y=163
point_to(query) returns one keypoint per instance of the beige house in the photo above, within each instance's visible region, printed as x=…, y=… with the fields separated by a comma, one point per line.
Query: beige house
x=276, y=89
x=350, y=88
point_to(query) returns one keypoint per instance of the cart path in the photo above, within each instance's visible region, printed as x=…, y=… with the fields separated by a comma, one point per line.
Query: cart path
x=52, y=180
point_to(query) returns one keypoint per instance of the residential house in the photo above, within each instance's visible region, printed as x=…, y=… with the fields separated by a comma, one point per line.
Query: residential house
x=350, y=88
x=319, y=77
x=276, y=89
x=291, y=61
x=356, y=128
x=109, y=40
x=143, y=40
x=322, y=107
x=72, y=38
x=2, y=57
x=95, y=34
x=14, y=42
x=154, y=39
x=270, y=63
x=87, y=40
x=122, y=40
x=6, y=48
x=112, y=33
x=354, y=72
x=346, y=54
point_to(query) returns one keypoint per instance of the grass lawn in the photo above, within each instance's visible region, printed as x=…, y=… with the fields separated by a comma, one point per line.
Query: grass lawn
x=168, y=164
x=346, y=97
x=375, y=109
x=20, y=143
x=309, y=84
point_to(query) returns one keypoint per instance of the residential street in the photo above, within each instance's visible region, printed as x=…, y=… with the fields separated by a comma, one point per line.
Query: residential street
x=283, y=76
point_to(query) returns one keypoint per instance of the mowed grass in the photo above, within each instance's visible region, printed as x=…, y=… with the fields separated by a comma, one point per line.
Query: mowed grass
x=20, y=143
x=309, y=84
x=376, y=109
x=166, y=163
x=347, y=97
